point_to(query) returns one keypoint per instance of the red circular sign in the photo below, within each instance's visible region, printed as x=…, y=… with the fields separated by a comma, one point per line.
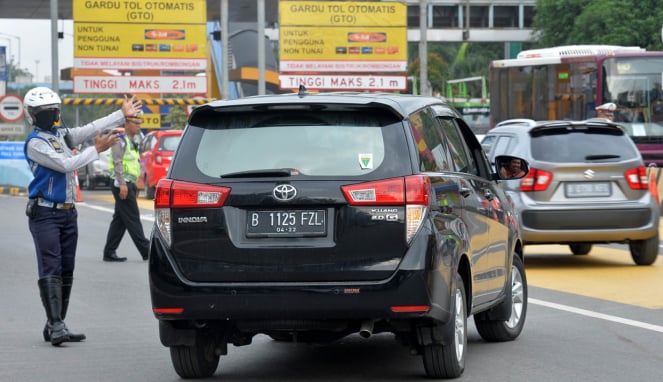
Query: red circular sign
x=11, y=108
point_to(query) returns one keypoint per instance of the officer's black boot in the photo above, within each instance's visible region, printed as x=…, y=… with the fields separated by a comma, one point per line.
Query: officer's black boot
x=50, y=289
x=67, y=281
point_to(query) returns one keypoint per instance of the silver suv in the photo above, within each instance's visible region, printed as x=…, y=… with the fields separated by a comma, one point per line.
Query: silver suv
x=587, y=184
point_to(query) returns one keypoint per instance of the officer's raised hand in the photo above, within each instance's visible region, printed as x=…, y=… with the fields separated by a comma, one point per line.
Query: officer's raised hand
x=103, y=142
x=131, y=107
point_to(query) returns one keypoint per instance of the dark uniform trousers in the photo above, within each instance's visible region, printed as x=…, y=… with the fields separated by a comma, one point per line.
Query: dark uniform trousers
x=55, y=234
x=126, y=218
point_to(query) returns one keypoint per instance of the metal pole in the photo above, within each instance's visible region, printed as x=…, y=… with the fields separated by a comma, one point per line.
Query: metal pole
x=55, y=66
x=423, y=48
x=261, y=47
x=225, y=52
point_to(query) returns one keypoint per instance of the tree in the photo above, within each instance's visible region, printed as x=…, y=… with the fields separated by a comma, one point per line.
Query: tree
x=14, y=71
x=611, y=22
x=437, y=72
x=454, y=60
x=177, y=117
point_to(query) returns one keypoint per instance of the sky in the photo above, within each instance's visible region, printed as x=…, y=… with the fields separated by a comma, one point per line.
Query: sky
x=35, y=44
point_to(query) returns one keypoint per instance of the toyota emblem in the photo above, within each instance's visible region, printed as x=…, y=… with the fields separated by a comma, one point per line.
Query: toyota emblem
x=284, y=192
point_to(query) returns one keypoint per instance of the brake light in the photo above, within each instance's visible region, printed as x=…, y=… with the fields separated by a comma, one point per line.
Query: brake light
x=383, y=192
x=413, y=192
x=175, y=194
x=536, y=180
x=637, y=178
x=417, y=190
x=171, y=194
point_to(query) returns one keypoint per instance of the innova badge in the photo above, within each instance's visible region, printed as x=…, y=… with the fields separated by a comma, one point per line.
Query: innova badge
x=284, y=192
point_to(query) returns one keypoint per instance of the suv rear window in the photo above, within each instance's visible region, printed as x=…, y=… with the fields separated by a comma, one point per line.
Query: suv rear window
x=319, y=143
x=579, y=145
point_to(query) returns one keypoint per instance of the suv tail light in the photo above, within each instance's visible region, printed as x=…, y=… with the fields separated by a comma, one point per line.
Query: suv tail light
x=413, y=192
x=175, y=194
x=637, y=178
x=536, y=180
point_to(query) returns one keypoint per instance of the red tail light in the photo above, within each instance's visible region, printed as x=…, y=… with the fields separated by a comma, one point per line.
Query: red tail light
x=174, y=194
x=413, y=192
x=536, y=180
x=637, y=178
x=417, y=190
x=389, y=192
x=383, y=192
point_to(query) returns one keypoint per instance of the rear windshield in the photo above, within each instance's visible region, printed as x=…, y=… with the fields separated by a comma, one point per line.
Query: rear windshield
x=562, y=145
x=313, y=143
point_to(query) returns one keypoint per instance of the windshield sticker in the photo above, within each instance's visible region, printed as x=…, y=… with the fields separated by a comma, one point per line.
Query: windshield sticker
x=366, y=161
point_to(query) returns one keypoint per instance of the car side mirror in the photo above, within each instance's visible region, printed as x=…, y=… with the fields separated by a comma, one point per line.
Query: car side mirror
x=510, y=167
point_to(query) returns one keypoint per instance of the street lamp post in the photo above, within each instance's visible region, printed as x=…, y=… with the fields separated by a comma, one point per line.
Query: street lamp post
x=36, y=70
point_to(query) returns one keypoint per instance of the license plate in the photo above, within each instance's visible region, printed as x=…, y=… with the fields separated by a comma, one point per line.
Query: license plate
x=286, y=223
x=587, y=189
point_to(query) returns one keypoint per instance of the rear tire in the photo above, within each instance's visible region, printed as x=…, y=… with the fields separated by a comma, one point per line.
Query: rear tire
x=580, y=248
x=644, y=252
x=197, y=361
x=509, y=330
x=448, y=361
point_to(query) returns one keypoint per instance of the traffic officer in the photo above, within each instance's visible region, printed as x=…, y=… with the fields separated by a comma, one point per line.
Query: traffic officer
x=51, y=211
x=606, y=111
x=125, y=170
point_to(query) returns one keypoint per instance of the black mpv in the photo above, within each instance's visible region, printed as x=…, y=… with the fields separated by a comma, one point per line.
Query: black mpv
x=310, y=217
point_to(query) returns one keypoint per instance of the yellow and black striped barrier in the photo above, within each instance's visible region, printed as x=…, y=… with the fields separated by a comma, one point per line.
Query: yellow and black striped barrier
x=146, y=101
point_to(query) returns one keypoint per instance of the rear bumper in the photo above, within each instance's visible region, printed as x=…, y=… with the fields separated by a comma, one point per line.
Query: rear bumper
x=294, y=300
x=597, y=225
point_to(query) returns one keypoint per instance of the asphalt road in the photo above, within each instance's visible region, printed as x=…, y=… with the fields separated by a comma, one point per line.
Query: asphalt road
x=590, y=318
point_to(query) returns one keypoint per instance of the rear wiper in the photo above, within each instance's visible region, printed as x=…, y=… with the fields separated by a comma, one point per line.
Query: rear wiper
x=261, y=173
x=601, y=156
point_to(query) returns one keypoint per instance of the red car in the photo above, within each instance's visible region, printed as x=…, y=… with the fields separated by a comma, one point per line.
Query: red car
x=156, y=152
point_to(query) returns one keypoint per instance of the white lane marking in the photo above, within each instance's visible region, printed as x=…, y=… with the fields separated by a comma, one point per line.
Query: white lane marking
x=149, y=218
x=601, y=316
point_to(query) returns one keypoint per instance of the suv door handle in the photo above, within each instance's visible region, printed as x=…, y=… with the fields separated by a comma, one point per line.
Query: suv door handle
x=465, y=191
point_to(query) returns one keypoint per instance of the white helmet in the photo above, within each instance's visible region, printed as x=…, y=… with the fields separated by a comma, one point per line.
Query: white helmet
x=38, y=99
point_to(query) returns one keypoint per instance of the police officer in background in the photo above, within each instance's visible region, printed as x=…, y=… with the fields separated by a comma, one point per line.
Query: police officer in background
x=125, y=170
x=606, y=111
x=53, y=218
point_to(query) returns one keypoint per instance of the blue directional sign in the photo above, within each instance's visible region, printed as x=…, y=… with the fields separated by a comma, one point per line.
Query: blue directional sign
x=12, y=150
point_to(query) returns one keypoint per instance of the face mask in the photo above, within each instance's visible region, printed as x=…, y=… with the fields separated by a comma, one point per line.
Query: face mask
x=46, y=118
